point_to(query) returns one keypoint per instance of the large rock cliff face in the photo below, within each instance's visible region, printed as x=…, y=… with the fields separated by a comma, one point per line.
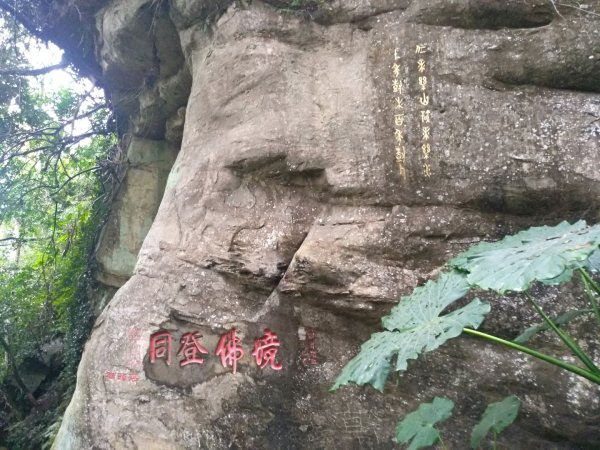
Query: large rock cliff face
x=328, y=161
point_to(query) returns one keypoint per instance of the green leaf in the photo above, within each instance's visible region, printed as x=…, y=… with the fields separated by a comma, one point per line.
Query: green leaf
x=372, y=364
x=546, y=254
x=414, y=326
x=496, y=417
x=418, y=425
x=426, y=302
x=593, y=263
x=560, y=320
x=562, y=278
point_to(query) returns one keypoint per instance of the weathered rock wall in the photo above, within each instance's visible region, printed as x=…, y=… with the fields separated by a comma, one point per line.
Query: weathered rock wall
x=330, y=162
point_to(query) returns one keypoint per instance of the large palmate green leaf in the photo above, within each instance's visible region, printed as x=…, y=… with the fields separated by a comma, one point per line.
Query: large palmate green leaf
x=546, y=254
x=418, y=425
x=497, y=417
x=414, y=326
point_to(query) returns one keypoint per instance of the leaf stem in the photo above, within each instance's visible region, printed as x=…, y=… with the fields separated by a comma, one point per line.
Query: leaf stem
x=547, y=358
x=442, y=443
x=569, y=342
x=587, y=276
x=587, y=281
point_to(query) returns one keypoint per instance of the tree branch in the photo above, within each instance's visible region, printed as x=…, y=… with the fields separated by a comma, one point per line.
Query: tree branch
x=35, y=72
x=19, y=239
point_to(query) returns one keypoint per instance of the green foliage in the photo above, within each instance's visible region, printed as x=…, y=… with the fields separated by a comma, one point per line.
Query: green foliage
x=550, y=255
x=546, y=254
x=55, y=184
x=414, y=326
x=36, y=431
x=417, y=427
x=372, y=364
x=496, y=417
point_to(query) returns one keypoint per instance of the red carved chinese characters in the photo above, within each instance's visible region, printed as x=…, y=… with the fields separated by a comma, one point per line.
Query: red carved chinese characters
x=191, y=348
x=120, y=376
x=229, y=349
x=265, y=350
x=160, y=346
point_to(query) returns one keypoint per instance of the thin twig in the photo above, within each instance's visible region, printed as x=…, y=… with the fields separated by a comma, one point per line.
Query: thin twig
x=579, y=8
x=556, y=9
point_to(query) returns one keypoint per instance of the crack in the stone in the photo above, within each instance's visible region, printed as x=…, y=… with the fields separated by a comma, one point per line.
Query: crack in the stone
x=268, y=305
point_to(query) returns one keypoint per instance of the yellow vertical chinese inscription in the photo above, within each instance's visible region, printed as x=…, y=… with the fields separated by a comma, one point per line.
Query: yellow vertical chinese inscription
x=399, y=117
x=426, y=150
x=399, y=103
x=426, y=170
x=424, y=99
x=425, y=133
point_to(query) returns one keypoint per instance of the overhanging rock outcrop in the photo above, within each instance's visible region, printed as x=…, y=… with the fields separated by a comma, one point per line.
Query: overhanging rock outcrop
x=331, y=161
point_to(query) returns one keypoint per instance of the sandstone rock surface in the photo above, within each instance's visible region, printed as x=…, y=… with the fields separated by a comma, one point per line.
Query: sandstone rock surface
x=332, y=160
